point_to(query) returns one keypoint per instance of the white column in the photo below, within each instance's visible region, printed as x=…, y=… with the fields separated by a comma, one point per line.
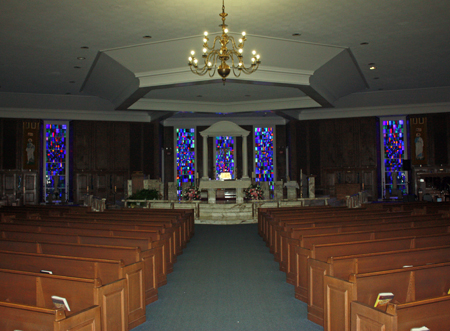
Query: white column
x=205, y=157
x=244, y=157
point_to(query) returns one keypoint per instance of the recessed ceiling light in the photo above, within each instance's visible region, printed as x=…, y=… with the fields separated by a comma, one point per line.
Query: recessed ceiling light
x=77, y=67
x=296, y=34
x=372, y=66
x=84, y=47
x=376, y=78
x=364, y=43
x=199, y=96
x=81, y=58
x=72, y=82
x=147, y=37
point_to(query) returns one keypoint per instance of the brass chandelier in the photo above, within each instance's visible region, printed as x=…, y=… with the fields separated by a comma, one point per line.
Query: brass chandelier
x=212, y=56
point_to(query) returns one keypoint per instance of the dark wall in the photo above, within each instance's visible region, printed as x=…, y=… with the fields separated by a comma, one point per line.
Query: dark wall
x=336, y=143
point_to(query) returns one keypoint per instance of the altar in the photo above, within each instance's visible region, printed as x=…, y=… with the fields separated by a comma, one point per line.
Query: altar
x=213, y=185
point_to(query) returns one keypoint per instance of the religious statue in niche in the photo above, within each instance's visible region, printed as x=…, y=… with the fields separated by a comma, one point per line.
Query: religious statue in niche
x=418, y=141
x=418, y=129
x=30, y=145
x=30, y=151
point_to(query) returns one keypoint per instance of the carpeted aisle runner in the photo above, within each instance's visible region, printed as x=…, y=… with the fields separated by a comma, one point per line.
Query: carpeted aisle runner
x=226, y=279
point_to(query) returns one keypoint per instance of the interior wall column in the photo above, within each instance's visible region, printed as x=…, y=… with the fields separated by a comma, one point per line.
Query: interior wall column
x=244, y=157
x=205, y=157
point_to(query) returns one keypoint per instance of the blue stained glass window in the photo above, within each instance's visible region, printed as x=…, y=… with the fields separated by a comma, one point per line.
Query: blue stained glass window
x=55, y=161
x=264, y=168
x=225, y=156
x=185, y=157
x=394, y=152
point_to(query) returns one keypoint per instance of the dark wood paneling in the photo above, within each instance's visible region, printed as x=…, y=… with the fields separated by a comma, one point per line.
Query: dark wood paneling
x=169, y=155
x=439, y=136
x=136, y=161
x=280, y=151
x=121, y=146
x=10, y=136
x=368, y=142
x=82, y=143
x=102, y=140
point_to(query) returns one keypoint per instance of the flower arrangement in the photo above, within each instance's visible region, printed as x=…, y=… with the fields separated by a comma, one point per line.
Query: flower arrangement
x=254, y=192
x=191, y=193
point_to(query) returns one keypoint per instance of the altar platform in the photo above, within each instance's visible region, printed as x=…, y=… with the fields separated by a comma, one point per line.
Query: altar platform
x=228, y=213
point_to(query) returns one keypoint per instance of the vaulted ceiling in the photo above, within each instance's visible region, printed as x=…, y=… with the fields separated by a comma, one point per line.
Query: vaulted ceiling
x=129, y=57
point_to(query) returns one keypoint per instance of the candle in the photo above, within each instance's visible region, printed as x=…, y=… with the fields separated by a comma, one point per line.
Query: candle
x=115, y=188
x=301, y=178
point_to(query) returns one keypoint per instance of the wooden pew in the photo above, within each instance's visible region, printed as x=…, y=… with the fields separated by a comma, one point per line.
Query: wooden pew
x=324, y=251
x=32, y=318
x=407, y=284
x=159, y=256
x=342, y=267
x=171, y=236
x=36, y=289
x=108, y=271
x=433, y=313
x=280, y=223
x=128, y=254
x=295, y=238
x=288, y=240
x=308, y=245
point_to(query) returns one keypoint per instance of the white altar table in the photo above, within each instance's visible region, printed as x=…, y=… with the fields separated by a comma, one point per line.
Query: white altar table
x=213, y=185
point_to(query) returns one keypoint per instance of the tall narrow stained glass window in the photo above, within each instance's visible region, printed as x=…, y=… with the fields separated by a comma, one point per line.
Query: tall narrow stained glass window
x=185, y=158
x=394, y=151
x=225, y=156
x=264, y=169
x=56, y=161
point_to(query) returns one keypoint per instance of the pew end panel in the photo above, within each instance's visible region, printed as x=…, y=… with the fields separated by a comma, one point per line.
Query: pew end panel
x=31, y=318
x=338, y=294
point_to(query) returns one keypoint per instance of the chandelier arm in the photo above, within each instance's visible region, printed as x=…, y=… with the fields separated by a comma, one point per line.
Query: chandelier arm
x=238, y=70
x=200, y=73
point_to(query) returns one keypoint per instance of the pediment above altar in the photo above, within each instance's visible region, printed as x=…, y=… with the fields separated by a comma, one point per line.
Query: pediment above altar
x=224, y=128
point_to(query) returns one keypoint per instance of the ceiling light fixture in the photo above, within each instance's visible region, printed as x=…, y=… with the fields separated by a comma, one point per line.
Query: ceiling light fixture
x=223, y=54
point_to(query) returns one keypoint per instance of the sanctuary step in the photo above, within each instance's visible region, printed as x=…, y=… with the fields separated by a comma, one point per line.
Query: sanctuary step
x=226, y=213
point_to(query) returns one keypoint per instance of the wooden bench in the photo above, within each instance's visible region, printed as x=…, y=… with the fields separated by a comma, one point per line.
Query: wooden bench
x=289, y=239
x=32, y=318
x=323, y=252
x=36, y=289
x=128, y=254
x=339, y=244
x=407, y=284
x=173, y=246
x=294, y=238
x=433, y=313
x=159, y=260
x=108, y=271
x=334, y=302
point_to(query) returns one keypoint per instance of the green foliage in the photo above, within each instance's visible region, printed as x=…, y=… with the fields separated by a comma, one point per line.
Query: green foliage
x=145, y=195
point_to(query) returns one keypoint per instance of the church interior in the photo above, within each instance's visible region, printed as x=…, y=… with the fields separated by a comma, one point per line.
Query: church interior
x=343, y=108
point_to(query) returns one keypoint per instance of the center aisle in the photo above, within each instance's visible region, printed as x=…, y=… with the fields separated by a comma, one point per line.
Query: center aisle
x=226, y=279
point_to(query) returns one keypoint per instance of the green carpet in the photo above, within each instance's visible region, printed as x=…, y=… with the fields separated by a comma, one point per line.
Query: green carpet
x=226, y=279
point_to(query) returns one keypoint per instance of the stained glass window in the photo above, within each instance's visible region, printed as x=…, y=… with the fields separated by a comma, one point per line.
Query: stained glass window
x=393, y=135
x=264, y=169
x=225, y=156
x=56, y=161
x=185, y=157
